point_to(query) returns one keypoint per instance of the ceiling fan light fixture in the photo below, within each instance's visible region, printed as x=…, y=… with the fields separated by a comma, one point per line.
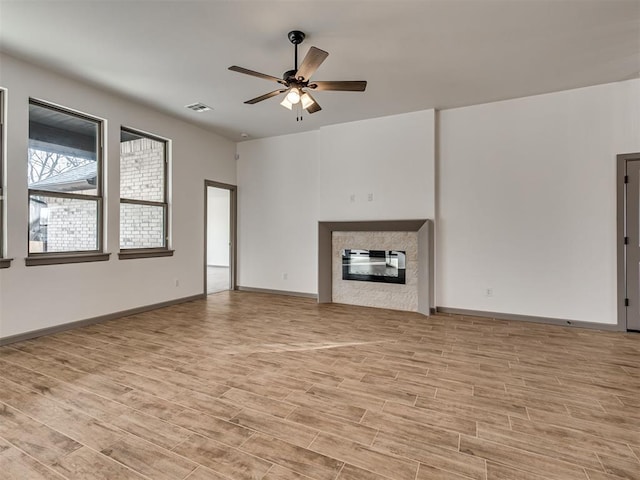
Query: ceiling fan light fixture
x=286, y=103
x=306, y=100
x=293, y=96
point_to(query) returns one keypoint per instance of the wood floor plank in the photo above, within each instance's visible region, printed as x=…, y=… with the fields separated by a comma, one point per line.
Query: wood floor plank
x=431, y=417
x=203, y=473
x=388, y=390
x=496, y=471
x=621, y=468
x=462, y=412
x=520, y=459
x=596, y=475
x=87, y=464
x=73, y=423
x=287, y=430
x=258, y=402
x=327, y=423
x=276, y=472
x=297, y=459
x=206, y=404
x=577, y=438
x=602, y=429
x=463, y=386
x=16, y=465
x=222, y=458
x=557, y=448
x=64, y=393
x=96, y=383
x=365, y=457
x=636, y=450
x=340, y=410
x=426, y=472
x=351, y=472
x=209, y=426
x=34, y=438
x=149, y=460
x=628, y=422
x=151, y=429
x=412, y=430
x=432, y=455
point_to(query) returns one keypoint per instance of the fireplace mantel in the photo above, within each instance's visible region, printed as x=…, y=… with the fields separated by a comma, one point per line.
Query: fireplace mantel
x=425, y=254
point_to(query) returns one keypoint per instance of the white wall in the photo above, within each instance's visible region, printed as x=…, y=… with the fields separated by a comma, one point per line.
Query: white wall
x=391, y=158
x=527, y=202
x=289, y=183
x=37, y=297
x=218, y=223
x=278, y=213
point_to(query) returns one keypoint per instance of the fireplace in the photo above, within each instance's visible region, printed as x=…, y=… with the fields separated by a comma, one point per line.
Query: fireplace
x=412, y=238
x=388, y=266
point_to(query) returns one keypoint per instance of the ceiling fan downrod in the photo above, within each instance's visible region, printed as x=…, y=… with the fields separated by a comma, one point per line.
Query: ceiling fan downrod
x=296, y=37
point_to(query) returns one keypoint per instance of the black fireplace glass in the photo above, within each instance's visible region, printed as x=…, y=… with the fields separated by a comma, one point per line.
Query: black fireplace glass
x=386, y=266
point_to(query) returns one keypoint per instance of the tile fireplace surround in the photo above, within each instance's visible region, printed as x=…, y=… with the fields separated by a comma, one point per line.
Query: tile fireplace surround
x=376, y=294
x=415, y=236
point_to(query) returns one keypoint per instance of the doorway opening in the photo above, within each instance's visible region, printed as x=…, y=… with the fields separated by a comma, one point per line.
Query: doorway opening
x=220, y=235
x=629, y=241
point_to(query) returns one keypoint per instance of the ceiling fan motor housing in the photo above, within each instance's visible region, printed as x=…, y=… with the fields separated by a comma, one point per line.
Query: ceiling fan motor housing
x=289, y=76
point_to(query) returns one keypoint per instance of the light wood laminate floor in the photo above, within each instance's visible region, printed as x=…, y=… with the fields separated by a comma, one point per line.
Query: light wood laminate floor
x=252, y=386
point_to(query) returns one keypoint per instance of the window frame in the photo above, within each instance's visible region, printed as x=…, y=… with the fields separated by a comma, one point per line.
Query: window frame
x=74, y=256
x=148, y=252
x=4, y=262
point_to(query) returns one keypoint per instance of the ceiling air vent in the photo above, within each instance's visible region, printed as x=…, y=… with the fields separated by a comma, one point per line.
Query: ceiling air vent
x=198, y=107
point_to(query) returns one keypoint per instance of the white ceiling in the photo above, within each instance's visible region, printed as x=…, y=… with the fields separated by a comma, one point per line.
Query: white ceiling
x=415, y=55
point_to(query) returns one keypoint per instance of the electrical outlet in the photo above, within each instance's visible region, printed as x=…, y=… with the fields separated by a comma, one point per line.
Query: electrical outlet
x=370, y=197
x=176, y=282
x=285, y=276
x=488, y=292
x=352, y=198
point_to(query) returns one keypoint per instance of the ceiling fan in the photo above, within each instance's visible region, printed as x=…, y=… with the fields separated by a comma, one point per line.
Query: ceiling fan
x=297, y=82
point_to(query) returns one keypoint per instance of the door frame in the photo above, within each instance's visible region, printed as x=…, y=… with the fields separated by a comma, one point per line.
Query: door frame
x=621, y=233
x=233, y=233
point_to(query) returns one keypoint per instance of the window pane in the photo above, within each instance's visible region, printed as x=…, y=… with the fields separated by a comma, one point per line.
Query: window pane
x=142, y=162
x=62, y=224
x=141, y=226
x=63, y=151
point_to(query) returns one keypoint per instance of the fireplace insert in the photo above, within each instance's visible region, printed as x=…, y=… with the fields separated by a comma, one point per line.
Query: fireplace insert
x=386, y=266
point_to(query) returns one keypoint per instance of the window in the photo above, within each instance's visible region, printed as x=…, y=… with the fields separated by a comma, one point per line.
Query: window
x=65, y=183
x=143, y=195
x=4, y=262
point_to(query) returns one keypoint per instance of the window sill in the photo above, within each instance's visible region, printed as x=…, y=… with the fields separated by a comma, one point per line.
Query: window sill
x=144, y=253
x=5, y=262
x=59, y=259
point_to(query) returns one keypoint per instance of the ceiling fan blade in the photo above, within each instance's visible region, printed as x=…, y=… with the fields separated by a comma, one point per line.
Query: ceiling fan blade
x=312, y=60
x=314, y=107
x=265, y=96
x=253, y=73
x=346, y=86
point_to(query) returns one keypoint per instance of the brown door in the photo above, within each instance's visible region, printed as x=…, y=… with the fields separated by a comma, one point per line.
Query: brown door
x=632, y=243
